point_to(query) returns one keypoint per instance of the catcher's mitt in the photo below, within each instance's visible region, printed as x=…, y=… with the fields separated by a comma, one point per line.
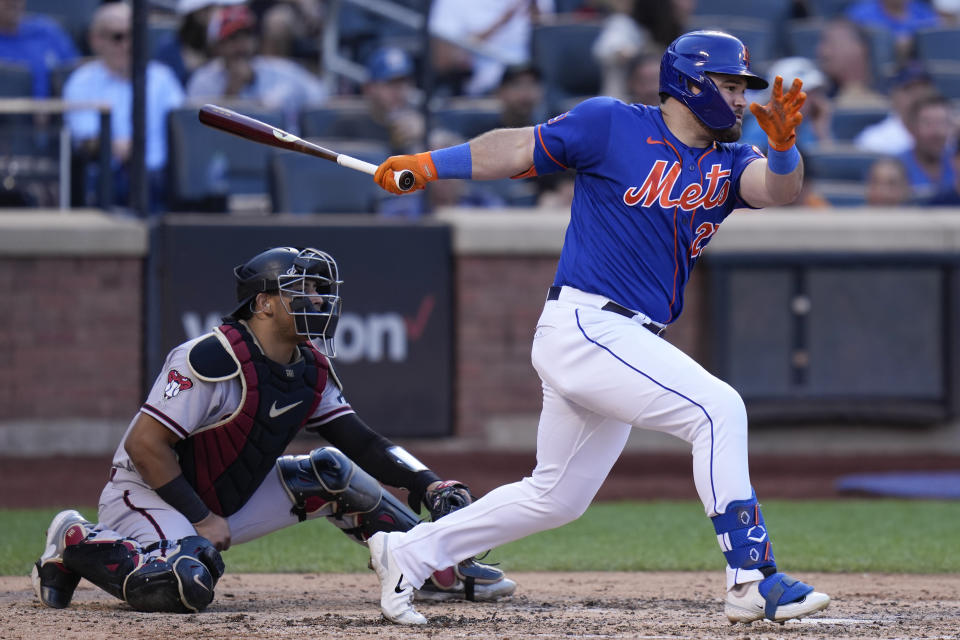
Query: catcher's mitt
x=447, y=497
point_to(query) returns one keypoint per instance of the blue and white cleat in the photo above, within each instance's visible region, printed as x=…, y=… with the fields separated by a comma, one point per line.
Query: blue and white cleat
x=778, y=598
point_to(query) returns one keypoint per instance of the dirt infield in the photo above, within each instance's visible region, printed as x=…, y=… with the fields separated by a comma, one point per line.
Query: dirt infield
x=555, y=605
x=546, y=605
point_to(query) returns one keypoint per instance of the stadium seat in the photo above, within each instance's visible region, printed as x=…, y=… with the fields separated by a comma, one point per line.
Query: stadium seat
x=73, y=15
x=828, y=8
x=938, y=44
x=303, y=184
x=316, y=122
x=841, y=193
x=207, y=164
x=769, y=10
x=468, y=117
x=803, y=36
x=847, y=122
x=844, y=164
x=16, y=80
x=564, y=54
x=758, y=34
x=60, y=73
x=946, y=78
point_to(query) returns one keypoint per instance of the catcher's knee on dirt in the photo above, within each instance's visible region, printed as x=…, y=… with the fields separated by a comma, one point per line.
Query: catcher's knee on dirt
x=326, y=480
x=172, y=576
x=181, y=582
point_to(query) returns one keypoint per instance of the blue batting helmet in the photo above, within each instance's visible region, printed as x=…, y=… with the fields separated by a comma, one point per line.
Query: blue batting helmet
x=687, y=61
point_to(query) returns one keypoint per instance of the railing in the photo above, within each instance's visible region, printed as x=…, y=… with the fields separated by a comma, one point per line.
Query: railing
x=32, y=106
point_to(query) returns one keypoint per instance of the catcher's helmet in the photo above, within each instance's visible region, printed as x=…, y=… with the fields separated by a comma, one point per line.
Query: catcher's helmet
x=687, y=61
x=309, y=283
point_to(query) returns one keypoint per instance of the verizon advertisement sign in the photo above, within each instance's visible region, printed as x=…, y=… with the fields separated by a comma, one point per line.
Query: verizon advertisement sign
x=395, y=337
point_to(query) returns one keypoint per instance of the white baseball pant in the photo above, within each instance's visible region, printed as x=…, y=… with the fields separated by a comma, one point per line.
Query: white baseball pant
x=602, y=373
x=129, y=507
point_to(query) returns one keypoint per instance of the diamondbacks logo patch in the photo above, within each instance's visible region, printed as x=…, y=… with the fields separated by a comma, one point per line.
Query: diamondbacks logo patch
x=176, y=382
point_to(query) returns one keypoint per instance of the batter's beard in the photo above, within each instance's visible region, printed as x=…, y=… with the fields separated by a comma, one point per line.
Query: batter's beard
x=730, y=134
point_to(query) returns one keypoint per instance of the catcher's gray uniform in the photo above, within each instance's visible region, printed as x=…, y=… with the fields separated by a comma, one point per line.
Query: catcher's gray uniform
x=185, y=403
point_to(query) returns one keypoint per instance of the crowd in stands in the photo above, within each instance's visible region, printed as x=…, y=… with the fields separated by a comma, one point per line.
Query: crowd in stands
x=880, y=126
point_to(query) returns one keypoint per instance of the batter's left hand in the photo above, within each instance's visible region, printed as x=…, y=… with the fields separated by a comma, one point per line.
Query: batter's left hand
x=421, y=165
x=780, y=117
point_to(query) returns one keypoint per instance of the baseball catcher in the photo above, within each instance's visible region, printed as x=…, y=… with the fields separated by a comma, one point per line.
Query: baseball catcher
x=201, y=466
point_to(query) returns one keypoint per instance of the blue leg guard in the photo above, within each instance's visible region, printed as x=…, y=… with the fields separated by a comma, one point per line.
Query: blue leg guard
x=743, y=537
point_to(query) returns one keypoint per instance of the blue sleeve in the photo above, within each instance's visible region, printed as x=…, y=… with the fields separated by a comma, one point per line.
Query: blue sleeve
x=577, y=139
x=743, y=154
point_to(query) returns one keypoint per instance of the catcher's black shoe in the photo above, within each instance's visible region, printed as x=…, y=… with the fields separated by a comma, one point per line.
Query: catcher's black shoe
x=53, y=583
x=469, y=580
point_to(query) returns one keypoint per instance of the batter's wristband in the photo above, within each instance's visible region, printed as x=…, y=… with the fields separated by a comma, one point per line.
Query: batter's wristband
x=453, y=162
x=180, y=495
x=783, y=162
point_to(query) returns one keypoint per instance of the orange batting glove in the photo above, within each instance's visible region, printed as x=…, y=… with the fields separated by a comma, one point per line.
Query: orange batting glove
x=780, y=117
x=421, y=165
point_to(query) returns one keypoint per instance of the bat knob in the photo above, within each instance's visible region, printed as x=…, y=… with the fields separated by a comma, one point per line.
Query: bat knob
x=405, y=180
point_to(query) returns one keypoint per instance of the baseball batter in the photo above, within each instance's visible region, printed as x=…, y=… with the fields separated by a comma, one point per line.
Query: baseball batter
x=652, y=187
x=201, y=466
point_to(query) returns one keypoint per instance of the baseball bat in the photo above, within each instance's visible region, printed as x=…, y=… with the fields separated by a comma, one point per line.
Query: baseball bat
x=257, y=131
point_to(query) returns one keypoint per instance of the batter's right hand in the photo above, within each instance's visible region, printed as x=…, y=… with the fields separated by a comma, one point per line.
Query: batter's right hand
x=420, y=164
x=215, y=529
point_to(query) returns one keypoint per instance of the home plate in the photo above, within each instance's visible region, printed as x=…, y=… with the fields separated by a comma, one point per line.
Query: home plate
x=831, y=621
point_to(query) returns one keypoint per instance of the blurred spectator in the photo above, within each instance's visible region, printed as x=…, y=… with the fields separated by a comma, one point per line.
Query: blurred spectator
x=815, y=129
x=843, y=54
x=503, y=26
x=890, y=135
x=902, y=18
x=620, y=41
x=238, y=72
x=809, y=197
x=442, y=193
x=391, y=116
x=521, y=96
x=949, y=12
x=665, y=21
x=643, y=81
x=555, y=190
x=929, y=164
x=290, y=29
x=888, y=184
x=950, y=196
x=107, y=79
x=34, y=41
x=186, y=50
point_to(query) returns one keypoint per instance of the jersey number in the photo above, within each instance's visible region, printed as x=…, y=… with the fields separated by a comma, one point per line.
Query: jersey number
x=704, y=231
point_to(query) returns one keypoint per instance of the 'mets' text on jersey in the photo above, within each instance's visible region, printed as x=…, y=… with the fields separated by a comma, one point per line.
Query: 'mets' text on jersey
x=645, y=204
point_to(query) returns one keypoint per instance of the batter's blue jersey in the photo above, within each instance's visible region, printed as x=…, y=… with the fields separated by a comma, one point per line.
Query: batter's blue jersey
x=644, y=203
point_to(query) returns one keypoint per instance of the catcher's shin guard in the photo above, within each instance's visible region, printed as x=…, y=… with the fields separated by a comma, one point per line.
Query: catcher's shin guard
x=180, y=580
x=350, y=497
x=105, y=559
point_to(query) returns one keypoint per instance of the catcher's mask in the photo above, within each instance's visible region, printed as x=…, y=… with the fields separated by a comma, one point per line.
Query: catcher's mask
x=308, y=282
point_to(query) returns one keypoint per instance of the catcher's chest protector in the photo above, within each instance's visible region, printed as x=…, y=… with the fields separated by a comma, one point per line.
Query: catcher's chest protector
x=225, y=462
